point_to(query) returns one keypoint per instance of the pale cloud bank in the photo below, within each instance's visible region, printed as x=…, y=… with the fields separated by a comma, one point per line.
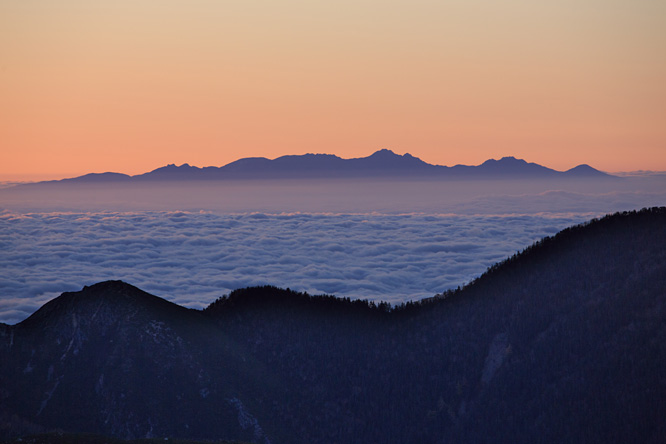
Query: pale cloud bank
x=192, y=258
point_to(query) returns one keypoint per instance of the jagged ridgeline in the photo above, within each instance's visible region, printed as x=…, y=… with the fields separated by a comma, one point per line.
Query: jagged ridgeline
x=564, y=342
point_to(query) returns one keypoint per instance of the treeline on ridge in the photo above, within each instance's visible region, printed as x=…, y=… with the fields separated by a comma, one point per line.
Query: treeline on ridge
x=269, y=295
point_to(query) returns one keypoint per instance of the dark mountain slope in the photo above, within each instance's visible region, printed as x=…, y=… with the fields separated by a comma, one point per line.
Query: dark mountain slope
x=564, y=342
x=575, y=328
x=63, y=438
x=113, y=359
x=505, y=360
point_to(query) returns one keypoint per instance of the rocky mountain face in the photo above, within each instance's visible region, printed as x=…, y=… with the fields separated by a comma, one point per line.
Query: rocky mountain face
x=564, y=342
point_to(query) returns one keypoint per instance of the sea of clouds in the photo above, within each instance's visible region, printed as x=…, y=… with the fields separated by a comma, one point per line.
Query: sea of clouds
x=192, y=258
x=390, y=240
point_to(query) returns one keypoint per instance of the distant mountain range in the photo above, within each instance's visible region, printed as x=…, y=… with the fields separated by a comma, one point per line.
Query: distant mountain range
x=564, y=342
x=381, y=164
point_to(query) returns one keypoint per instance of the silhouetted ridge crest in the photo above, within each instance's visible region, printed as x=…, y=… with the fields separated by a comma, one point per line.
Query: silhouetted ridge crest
x=270, y=297
x=115, y=297
x=651, y=221
x=381, y=164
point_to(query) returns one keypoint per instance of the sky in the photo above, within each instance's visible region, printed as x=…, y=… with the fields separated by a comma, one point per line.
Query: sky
x=129, y=86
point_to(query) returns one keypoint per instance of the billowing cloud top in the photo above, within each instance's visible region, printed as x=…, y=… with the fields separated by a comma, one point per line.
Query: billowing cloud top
x=194, y=257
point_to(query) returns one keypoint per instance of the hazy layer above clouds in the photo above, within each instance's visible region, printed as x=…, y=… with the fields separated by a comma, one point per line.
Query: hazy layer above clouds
x=344, y=196
x=193, y=258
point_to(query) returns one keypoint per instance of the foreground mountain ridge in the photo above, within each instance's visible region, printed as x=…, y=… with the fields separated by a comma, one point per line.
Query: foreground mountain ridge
x=381, y=164
x=564, y=342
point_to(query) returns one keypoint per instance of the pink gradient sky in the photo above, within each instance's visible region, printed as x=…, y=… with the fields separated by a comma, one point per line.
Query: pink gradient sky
x=128, y=86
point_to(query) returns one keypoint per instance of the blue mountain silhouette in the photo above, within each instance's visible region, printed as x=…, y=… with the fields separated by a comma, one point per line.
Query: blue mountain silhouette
x=381, y=164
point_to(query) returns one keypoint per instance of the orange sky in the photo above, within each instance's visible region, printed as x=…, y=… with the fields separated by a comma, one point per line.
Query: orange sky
x=131, y=85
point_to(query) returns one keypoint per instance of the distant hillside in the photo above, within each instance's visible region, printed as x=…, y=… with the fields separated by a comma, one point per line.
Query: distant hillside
x=382, y=164
x=564, y=342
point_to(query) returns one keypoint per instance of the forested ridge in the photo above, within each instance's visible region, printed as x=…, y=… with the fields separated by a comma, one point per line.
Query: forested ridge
x=563, y=342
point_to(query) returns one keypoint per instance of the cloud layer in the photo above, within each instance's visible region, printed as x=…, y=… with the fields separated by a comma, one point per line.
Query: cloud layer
x=192, y=258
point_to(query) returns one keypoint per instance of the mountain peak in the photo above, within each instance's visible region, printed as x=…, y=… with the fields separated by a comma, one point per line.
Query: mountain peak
x=384, y=152
x=105, y=300
x=584, y=170
x=110, y=285
x=387, y=153
x=506, y=160
x=389, y=161
x=174, y=167
x=512, y=167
